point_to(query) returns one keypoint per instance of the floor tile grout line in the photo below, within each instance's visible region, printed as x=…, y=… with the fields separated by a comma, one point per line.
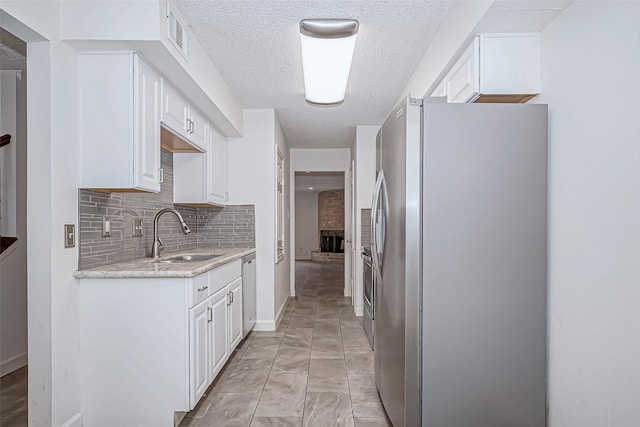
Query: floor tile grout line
x=268, y=375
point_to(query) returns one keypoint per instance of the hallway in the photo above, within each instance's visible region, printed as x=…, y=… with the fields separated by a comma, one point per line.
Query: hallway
x=316, y=369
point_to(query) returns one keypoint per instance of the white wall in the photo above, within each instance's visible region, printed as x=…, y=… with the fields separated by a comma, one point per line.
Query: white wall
x=54, y=347
x=364, y=153
x=64, y=183
x=321, y=160
x=13, y=268
x=456, y=30
x=591, y=65
x=306, y=223
x=250, y=180
x=283, y=267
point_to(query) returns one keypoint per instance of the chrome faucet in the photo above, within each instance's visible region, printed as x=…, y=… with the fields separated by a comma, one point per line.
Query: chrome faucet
x=157, y=243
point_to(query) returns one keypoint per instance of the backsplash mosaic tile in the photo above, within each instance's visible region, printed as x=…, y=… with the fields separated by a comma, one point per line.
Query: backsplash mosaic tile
x=365, y=227
x=232, y=226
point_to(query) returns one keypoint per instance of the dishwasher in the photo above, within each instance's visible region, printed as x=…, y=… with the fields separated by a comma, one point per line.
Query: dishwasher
x=248, y=293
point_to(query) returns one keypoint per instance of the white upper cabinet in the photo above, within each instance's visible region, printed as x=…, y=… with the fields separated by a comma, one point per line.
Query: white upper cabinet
x=175, y=111
x=119, y=127
x=182, y=118
x=495, y=68
x=199, y=179
x=216, y=168
x=199, y=128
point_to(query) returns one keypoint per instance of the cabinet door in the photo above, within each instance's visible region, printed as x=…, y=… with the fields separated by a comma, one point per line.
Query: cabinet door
x=199, y=351
x=463, y=81
x=175, y=110
x=235, y=313
x=216, y=172
x=218, y=330
x=146, y=173
x=198, y=129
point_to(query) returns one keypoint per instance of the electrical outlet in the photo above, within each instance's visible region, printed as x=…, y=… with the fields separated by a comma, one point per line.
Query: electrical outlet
x=137, y=227
x=106, y=226
x=69, y=235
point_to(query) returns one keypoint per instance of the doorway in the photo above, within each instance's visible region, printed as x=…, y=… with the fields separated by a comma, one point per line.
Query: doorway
x=13, y=230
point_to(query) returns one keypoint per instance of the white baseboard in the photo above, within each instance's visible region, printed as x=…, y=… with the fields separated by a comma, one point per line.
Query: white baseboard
x=281, y=312
x=271, y=325
x=75, y=421
x=10, y=365
x=359, y=311
x=264, y=325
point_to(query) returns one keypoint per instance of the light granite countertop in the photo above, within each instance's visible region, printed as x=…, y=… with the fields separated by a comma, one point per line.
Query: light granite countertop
x=147, y=268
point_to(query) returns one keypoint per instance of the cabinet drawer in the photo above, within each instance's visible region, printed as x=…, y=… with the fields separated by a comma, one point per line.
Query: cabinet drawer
x=199, y=289
x=223, y=275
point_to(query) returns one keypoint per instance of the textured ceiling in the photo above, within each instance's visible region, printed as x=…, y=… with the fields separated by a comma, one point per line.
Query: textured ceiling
x=256, y=46
x=12, y=52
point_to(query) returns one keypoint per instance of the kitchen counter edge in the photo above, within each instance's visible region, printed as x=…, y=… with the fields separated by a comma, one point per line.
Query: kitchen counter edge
x=145, y=268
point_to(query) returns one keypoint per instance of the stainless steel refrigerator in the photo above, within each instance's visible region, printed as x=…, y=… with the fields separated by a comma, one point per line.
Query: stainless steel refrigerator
x=459, y=238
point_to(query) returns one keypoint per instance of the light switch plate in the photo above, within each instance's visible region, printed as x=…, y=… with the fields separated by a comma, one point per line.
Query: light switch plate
x=69, y=235
x=137, y=227
x=106, y=226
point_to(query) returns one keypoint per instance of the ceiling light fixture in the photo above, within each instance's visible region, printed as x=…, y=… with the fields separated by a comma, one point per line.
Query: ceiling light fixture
x=327, y=52
x=310, y=188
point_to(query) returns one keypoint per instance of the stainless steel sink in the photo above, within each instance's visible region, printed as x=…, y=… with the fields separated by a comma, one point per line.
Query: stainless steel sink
x=187, y=258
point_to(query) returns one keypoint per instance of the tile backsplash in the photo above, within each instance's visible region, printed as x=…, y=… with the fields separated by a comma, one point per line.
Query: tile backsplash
x=365, y=227
x=228, y=227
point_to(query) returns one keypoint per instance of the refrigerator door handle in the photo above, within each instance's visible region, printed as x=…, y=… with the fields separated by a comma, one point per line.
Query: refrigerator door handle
x=384, y=212
x=374, y=227
x=374, y=211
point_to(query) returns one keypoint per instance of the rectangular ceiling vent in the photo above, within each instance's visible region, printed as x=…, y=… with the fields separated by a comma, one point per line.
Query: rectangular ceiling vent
x=177, y=33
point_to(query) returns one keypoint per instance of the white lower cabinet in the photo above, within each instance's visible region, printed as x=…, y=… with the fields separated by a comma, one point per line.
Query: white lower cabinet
x=215, y=329
x=152, y=346
x=219, y=335
x=235, y=312
x=199, y=331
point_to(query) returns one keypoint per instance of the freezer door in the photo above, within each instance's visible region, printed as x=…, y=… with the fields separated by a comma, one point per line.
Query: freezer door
x=484, y=269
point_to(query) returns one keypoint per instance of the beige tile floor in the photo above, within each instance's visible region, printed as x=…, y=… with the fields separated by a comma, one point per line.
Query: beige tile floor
x=13, y=399
x=315, y=370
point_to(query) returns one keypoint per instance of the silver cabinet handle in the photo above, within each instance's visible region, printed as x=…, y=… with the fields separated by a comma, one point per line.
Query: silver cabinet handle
x=203, y=288
x=161, y=174
x=231, y=293
x=229, y=298
x=209, y=315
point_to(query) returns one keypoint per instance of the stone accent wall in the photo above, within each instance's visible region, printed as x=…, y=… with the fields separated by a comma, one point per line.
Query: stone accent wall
x=331, y=210
x=232, y=226
x=337, y=258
